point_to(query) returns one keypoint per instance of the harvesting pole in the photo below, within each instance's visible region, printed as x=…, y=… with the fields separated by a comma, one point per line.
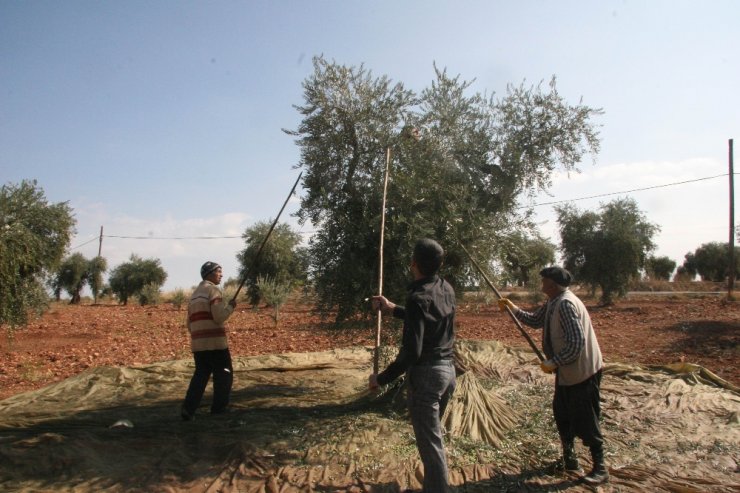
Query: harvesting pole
x=376, y=356
x=267, y=236
x=508, y=310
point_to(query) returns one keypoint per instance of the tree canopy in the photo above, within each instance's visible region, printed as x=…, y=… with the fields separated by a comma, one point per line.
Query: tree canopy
x=711, y=261
x=34, y=234
x=130, y=278
x=606, y=249
x=659, y=268
x=282, y=260
x=524, y=256
x=76, y=272
x=459, y=163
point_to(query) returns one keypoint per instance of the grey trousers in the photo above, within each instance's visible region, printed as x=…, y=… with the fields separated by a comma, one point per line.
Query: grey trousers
x=429, y=390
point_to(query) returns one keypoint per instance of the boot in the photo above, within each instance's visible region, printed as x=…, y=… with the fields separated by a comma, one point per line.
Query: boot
x=567, y=463
x=570, y=459
x=599, y=473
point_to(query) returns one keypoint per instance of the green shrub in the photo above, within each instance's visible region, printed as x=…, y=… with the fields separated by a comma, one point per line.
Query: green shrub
x=149, y=294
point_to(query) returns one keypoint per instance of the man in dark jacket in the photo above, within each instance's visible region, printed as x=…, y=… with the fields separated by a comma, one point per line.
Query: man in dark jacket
x=426, y=357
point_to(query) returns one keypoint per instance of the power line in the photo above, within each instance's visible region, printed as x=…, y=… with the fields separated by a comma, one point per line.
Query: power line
x=171, y=237
x=626, y=191
x=309, y=232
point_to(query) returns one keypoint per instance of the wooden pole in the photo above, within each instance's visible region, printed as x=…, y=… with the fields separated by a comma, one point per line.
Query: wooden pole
x=267, y=236
x=508, y=310
x=731, y=276
x=100, y=244
x=100, y=251
x=376, y=356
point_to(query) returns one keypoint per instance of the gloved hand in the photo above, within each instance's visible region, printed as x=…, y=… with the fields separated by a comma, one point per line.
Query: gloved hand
x=506, y=302
x=548, y=366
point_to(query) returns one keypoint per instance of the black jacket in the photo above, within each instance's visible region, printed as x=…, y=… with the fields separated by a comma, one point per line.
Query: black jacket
x=428, y=327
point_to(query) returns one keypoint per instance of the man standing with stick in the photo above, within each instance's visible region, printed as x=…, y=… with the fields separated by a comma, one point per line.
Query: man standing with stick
x=426, y=357
x=207, y=313
x=573, y=353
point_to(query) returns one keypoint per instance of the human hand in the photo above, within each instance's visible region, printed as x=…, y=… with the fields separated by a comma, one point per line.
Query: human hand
x=504, y=303
x=372, y=381
x=382, y=303
x=548, y=366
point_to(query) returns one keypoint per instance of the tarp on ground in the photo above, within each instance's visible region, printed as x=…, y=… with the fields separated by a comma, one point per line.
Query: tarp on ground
x=304, y=422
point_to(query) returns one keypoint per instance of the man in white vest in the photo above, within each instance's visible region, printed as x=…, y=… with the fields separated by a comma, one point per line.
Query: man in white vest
x=573, y=354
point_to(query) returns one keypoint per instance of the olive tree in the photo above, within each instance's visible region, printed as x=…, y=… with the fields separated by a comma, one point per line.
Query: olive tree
x=459, y=161
x=133, y=277
x=659, y=268
x=524, y=256
x=282, y=259
x=712, y=261
x=34, y=234
x=606, y=249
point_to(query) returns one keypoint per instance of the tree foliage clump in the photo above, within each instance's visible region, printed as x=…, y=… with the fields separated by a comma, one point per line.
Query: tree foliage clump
x=75, y=273
x=34, y=234
x=659, y=268
x=524, y=256
x=606, y=249
x=459, y=163
x=132, y=277
x=711, y=261
x=283, y=259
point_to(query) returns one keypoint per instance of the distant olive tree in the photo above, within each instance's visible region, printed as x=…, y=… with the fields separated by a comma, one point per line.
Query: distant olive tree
x=524, y=256
x=130, y=278
x=711, y=261
x=607, y=249
x=659, y=268
x=76, y=272
x=275, y=292
x=282, y=257
x=34, y=235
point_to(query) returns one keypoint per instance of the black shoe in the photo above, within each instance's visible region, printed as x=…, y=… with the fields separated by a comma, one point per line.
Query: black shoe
x=597, y=476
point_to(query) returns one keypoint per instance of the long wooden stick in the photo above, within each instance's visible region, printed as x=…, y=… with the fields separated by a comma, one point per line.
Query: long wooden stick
x=376, y=357
x=508, y=310
x=267, y=236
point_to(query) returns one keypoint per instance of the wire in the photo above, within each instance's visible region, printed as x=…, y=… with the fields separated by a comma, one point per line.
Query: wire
x=626, y=191
x=309, y=232
x=171, y=237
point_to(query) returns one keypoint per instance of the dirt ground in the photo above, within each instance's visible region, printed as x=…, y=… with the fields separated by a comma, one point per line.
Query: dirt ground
x=91, y=397
x=704, y=330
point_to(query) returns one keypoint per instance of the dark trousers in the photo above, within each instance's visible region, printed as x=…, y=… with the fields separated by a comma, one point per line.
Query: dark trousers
x=218, y=363
x=429, y=390
x=577, y=410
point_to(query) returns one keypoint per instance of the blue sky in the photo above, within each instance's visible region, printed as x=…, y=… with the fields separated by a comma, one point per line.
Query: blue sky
x=163, y=119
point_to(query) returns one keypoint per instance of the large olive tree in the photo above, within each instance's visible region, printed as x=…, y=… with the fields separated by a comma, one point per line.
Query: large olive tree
x=34, y=235
x=460, y=160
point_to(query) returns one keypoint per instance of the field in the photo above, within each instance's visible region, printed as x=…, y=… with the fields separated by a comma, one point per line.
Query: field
x=654, y=330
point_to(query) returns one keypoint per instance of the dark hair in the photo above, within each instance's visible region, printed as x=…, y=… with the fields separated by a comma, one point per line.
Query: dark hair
x=428, y=255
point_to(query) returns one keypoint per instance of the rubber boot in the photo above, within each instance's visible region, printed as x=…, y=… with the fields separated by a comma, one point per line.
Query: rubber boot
x=599, y=473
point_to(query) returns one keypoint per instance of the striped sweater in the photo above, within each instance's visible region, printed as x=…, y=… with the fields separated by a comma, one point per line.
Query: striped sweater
x=207, y=313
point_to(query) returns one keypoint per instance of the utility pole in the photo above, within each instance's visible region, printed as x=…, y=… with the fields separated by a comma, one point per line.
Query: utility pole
x=100, y=245
x=731, y=277
x=100, y=250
